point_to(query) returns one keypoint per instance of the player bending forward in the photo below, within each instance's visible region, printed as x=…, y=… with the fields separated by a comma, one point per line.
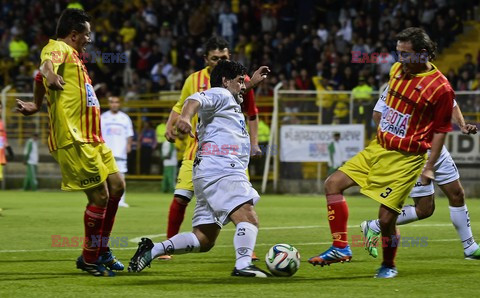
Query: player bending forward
x=222, y=188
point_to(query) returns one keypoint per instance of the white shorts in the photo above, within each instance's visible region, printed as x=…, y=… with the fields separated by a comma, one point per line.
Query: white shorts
x=445, y=172
x=121, y=164
x=218, y=196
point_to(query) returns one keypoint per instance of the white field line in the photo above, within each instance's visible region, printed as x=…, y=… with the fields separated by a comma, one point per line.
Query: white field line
x=66, y=249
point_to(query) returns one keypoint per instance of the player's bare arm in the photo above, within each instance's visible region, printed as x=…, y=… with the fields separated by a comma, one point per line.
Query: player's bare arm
x=184, y=125
x=376, y=118
x=457, y=118
x=428, y=171
x=255, y=150
x=54, y=81
x=171, y=133
x=258, y=76
x=30, y=108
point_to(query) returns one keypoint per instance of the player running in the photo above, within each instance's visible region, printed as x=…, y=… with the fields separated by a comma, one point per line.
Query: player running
x=417, y=118
x=75, y=138
x=216, y=49
x=221, y=185
x=447, y=178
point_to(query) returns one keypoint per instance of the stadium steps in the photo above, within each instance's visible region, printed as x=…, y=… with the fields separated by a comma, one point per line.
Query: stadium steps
x=467, y=42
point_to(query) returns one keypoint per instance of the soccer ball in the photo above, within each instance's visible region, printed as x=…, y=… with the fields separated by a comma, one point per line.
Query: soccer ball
x=283, y=260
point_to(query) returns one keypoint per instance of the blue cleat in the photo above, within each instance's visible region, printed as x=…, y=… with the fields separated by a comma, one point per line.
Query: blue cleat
x=386, y=272
x=94, y=269
x=110, y=261
x=332, y=255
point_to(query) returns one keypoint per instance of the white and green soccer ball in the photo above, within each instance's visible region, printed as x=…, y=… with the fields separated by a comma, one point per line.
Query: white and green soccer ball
x=283, y=260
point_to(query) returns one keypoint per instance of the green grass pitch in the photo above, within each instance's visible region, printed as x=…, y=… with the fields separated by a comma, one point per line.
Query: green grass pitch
x=30, y=266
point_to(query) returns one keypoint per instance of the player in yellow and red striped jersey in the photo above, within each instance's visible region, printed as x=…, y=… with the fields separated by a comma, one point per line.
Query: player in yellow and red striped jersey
x=216, y=49
x=416, y=118
x=75, y=138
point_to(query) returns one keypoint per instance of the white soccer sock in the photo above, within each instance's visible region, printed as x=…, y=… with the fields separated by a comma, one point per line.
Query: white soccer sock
x=244, y=242
x=179, y=244
x=461, y=221
x=408, y=215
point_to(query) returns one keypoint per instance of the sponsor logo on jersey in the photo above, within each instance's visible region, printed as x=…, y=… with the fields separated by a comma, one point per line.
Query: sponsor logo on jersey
x=87, y=181
x=394, y=122
x=92, y=100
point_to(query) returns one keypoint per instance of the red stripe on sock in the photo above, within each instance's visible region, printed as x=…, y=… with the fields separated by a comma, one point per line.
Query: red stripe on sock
x=337, y=219
x=175, y=218
x=93, y=221
x=112, y=207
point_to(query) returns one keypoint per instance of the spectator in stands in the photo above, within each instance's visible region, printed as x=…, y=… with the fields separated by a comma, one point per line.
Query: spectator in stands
x=363, y=103
x=468, y=66
x=147, y=142
x=463, y=81
x=127, y=32
x=18, y=48
x=227, y=22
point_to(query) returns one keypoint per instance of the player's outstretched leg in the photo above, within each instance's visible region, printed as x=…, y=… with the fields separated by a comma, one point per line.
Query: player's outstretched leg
x=339, y=252
x=179, y=244
x=370, y=237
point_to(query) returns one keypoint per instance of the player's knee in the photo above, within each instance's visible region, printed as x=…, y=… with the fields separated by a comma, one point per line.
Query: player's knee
x=182, y=200
x=117, y=188
x=426, y=211
x=457, y=198
x=206, y=245
x=332, y=185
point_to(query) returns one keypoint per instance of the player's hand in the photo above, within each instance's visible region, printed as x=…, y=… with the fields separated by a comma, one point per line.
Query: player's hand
x=259, y=75
x=256, y=152
x=469, y=129
x=171, y=133
x=55, y=82
x=427, y=176
x=26, y=108
x=184, y=126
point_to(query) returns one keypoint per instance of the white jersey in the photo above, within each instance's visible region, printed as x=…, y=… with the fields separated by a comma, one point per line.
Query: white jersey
x=169, y=154
x=31, y=148
x=116, y=129
x=223, y=141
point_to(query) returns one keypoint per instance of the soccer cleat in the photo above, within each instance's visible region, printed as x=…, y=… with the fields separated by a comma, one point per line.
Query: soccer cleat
x=164, y=258
x=370, y=238
x=94, y=269
x=474, y=256
x=254, y=257
x=109, y=261
x=250, y=271
x=123, y=204
x=332, y=255
x=142, y=257
x=386, y=272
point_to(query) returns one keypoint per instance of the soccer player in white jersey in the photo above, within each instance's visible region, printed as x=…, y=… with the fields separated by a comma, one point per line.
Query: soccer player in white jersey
x=117, y=131
x=220, y=183
x=447, y=178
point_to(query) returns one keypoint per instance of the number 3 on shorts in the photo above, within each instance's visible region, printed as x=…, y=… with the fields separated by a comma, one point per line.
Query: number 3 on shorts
x=385, y=194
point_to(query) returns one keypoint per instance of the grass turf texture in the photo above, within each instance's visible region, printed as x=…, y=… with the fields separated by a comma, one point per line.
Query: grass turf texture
x=30, y=266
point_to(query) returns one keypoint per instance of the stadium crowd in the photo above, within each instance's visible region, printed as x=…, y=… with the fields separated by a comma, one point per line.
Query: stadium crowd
x=299, y=40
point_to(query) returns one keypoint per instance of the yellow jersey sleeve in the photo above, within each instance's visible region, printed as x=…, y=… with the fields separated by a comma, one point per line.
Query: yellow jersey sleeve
x=56, y=52
x=187, y=90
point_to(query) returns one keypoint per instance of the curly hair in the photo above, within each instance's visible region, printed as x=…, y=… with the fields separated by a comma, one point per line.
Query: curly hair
x=226, y=69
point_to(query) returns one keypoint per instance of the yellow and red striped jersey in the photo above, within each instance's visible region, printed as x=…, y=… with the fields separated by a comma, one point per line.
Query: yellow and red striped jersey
x=74, y=112
x=417, y=107
x=196, y=82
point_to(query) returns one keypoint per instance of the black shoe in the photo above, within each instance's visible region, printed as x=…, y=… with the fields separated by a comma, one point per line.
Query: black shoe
x=142, y=257
x=250, y=271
